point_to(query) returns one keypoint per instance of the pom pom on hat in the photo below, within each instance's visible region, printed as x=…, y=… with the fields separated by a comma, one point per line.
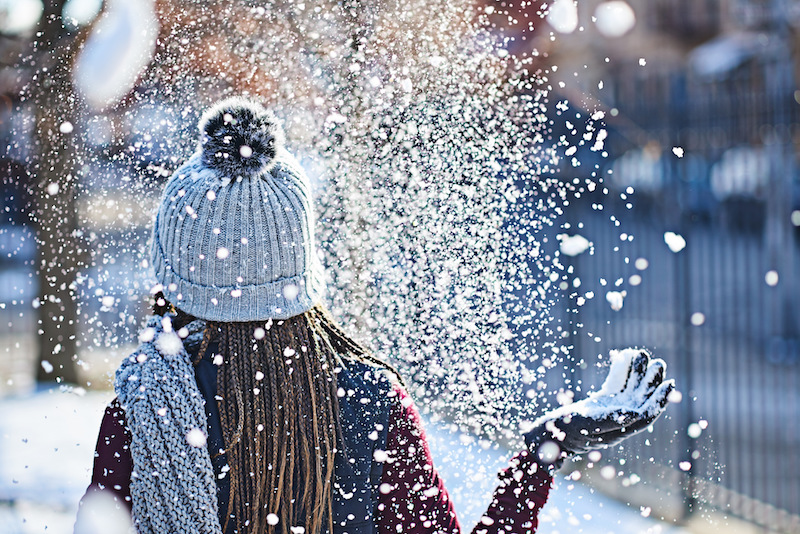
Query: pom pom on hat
x=239, y=137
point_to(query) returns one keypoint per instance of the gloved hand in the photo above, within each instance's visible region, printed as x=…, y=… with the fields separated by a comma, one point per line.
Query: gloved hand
x=633, y=395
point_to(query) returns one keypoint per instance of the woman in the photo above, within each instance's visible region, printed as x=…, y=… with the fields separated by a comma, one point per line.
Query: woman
x=247, y=409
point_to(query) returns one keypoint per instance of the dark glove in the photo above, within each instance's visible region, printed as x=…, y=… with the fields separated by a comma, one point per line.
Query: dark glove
x=633, y=395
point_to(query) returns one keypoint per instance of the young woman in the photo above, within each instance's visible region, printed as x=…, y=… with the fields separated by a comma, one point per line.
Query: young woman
x=247, y=409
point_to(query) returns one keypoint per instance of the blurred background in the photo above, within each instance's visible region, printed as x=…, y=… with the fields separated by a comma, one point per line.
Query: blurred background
x=597, y=174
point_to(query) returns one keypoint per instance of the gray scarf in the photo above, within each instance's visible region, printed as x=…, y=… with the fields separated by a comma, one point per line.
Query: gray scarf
x=172, y=486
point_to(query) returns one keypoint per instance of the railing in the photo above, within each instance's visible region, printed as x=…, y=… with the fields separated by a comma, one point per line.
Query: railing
x=724, y=310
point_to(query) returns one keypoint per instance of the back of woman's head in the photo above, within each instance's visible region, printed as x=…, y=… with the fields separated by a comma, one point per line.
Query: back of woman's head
x=233, y=245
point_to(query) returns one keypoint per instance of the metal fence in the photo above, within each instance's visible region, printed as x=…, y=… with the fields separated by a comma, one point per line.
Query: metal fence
x=724, y=310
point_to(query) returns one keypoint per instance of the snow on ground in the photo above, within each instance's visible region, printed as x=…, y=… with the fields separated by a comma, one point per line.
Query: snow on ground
x=469, y=471
x=47, y=442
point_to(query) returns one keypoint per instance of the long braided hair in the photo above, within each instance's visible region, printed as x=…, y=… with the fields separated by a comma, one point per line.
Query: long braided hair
x=278, y=405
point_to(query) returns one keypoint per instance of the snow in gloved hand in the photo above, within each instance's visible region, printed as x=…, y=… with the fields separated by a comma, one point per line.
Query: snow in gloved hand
x=633, y=396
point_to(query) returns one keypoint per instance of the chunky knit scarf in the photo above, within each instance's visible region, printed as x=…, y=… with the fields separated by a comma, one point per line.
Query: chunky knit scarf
x=172, y=487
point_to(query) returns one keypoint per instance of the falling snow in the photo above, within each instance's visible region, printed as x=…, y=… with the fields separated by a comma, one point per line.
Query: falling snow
x=674, y=241
x=439, y=183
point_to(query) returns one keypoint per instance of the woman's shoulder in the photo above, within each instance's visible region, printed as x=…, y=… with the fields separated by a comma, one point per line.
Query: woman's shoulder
x=369, y=371
x=370, y=382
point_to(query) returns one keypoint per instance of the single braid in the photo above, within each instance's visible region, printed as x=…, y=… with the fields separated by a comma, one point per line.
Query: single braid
x=274, y=428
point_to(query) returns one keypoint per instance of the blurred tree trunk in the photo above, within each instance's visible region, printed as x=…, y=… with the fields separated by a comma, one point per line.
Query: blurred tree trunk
x=55, y=214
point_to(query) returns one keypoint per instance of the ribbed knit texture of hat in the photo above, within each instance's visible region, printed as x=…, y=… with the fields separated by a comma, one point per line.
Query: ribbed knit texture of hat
x=234, y=235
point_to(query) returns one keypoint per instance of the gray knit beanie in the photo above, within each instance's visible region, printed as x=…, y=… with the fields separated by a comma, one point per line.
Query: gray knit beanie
x=234, y=236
